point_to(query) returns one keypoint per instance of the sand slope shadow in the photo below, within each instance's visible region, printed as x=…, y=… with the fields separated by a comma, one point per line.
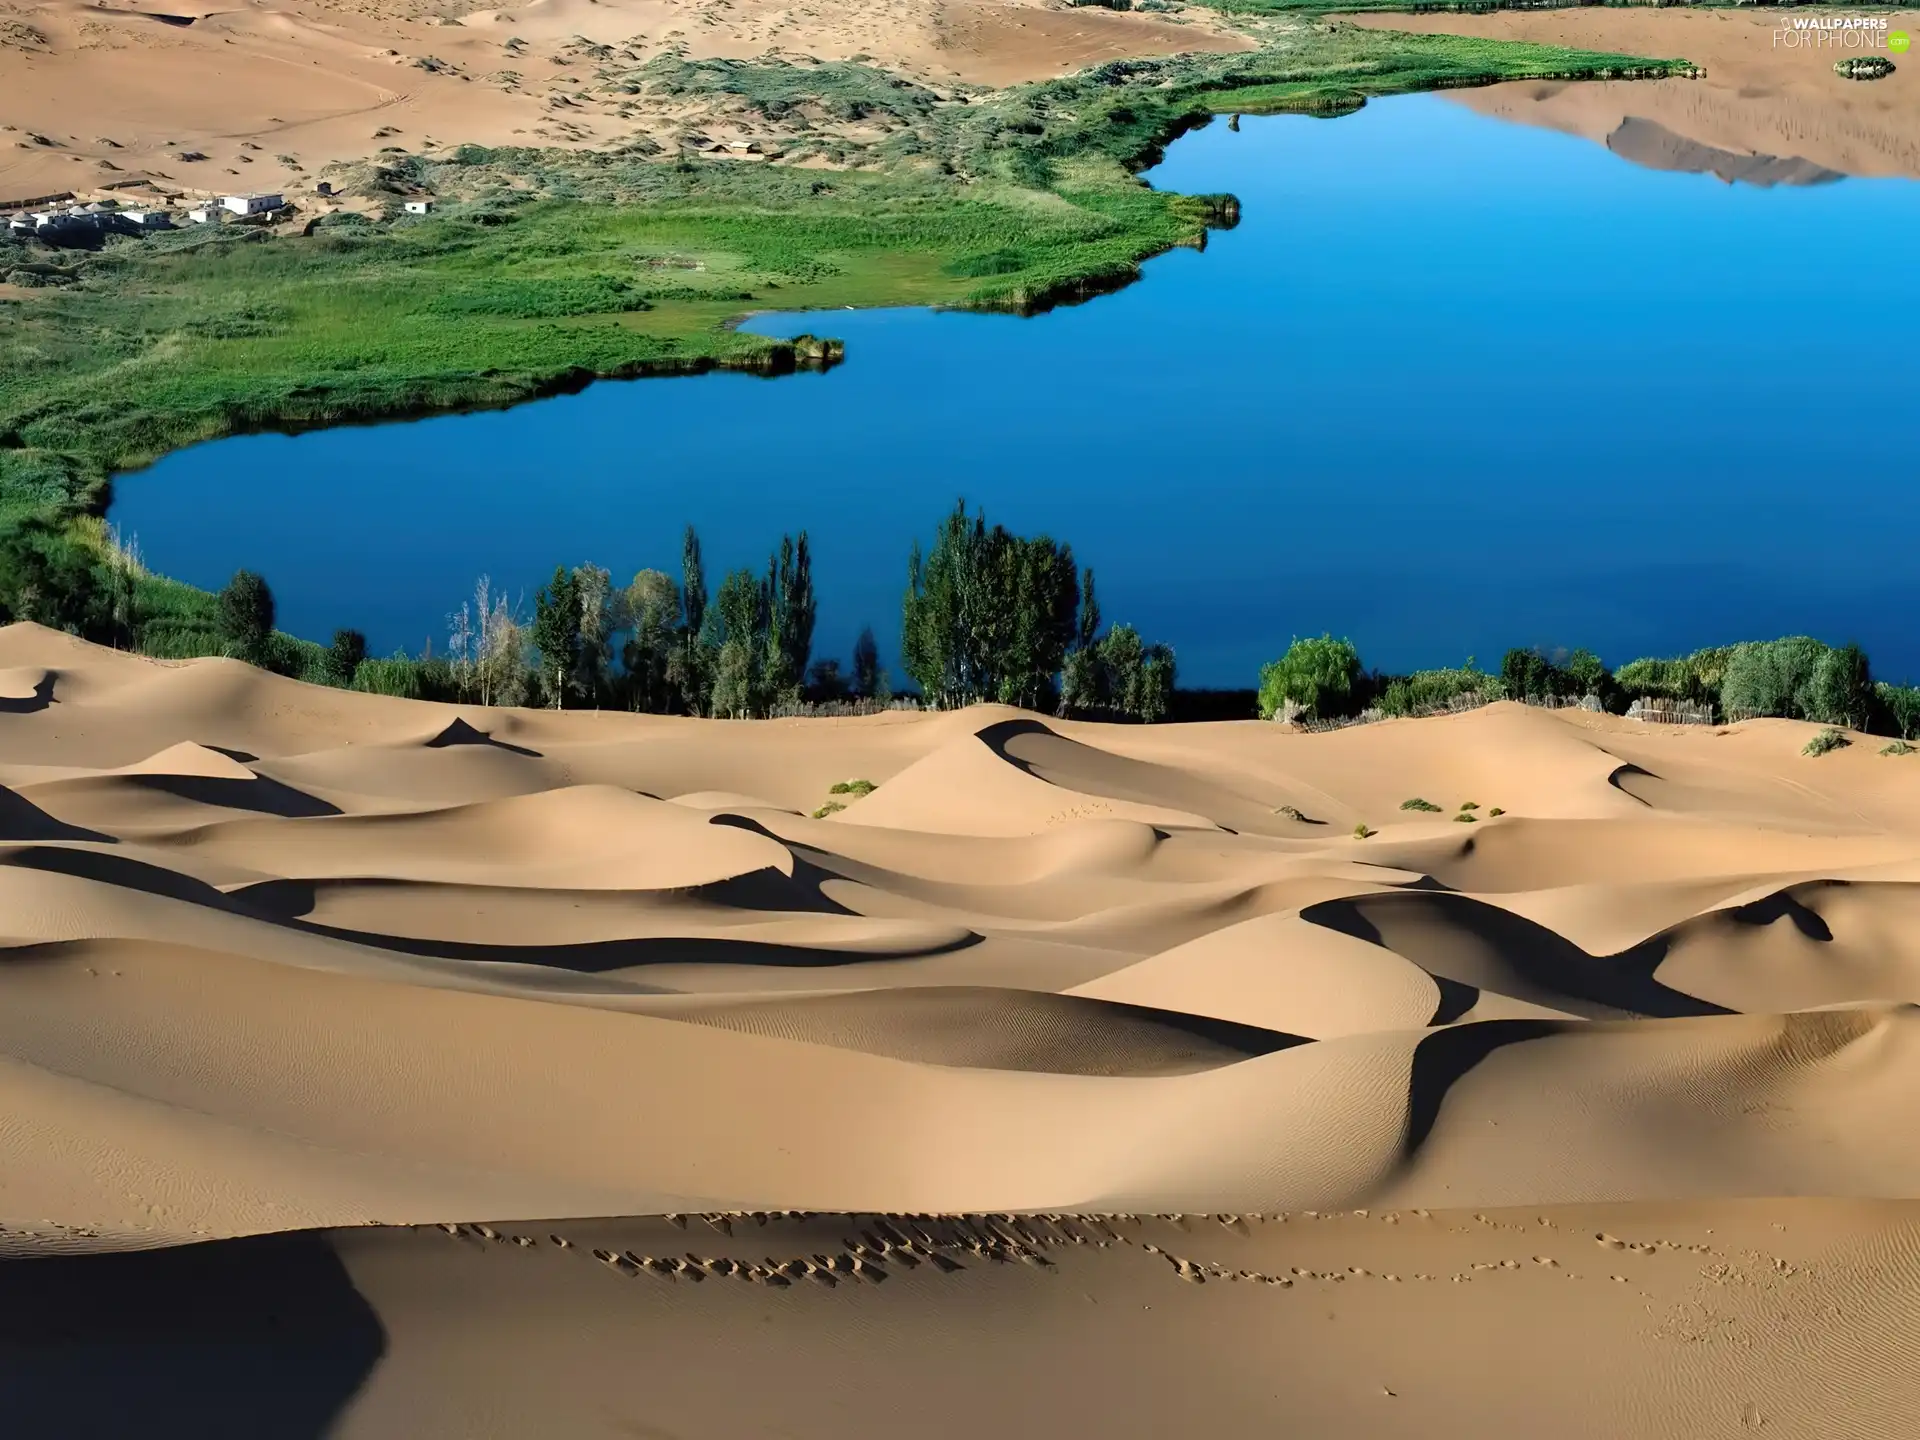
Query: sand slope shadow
x=596, y=957
x=1444, y=1058
x=459, y=732
x=263, y=1338
x=262, y=795
x=1458, y=938
x=22, y=821
x=30, y=704
x=991, y=1028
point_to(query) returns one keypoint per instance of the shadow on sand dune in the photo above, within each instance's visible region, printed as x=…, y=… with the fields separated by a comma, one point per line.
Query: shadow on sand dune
x=33, y=704
x=461, y=733
x=1444, y=1058
x=596, y=957
x=262, y=795
x=22, y=821
x=256, y=1339
x=1455, y=937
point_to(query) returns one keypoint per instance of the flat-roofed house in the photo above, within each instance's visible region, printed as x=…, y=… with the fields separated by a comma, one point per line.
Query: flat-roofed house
x=252, y=204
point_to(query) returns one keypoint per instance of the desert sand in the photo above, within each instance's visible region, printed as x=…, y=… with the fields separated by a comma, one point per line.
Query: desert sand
x=1762, y=113
x=496, y=1073
x=203, y=97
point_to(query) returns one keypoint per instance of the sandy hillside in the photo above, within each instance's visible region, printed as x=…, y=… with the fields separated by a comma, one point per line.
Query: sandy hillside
x=1587, y=1118
x=1762, y=114
x=214, y=97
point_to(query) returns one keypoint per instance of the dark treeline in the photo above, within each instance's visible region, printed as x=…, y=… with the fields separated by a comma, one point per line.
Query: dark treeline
x=987, y=616
x=1795, y=678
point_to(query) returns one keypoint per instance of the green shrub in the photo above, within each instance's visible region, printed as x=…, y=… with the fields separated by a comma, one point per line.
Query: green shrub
x=1469, y=804
x=1825, y=742
x=395, y=675
x=1320, y=676
x=1773, y=677
x=1467, y=817
x=831, y=807
x=1496, y=810
x=1898, y=747
x=1418, y=804
x=1842, y=691
x=855, y=788
x=1426, y=690
x=1899, y=706
x=1361, y=832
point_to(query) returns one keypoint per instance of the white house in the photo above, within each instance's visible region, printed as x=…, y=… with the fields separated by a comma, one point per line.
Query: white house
x=252, y=204
x=419, y=207
x=148, y=219
x=43, y=217
x=204, y=215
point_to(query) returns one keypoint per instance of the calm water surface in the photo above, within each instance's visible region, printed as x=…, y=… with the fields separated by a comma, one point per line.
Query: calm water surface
x=1452, y=385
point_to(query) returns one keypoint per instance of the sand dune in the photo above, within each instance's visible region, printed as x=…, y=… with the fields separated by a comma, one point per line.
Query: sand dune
x=339, y=969
x=213, y=98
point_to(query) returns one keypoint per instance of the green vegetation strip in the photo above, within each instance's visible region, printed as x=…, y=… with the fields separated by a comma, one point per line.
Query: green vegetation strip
x=546, y=269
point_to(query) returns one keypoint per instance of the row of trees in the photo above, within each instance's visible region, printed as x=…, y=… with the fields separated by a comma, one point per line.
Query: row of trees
x=987, y=615
x=1795, y=678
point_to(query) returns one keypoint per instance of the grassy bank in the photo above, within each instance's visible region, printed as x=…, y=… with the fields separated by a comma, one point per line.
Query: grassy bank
x=547, y=269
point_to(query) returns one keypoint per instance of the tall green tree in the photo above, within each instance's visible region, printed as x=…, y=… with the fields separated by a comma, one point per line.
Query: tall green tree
x=344, y=656
x=869, y=677
x=593, y=658
x=246, y=613
x=691, y=671
x=988, y=615
x=736, y=634
x=1842, y=692
x=1083, y=675
x=556, y=634
x=650, y=610
x=790, y=617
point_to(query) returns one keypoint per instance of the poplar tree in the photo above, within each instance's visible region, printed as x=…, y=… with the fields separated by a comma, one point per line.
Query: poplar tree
x=691, y=672
x=556, y=633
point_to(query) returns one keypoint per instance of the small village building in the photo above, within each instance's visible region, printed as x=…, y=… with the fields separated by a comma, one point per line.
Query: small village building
x=43, y=217
x=148, y=219
x=253, y=204
x=205, y=215
x=419, y=207
x=324, y=187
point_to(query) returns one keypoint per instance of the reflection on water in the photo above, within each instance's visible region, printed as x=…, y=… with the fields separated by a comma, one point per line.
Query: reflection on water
x=1762, y=113
x=1649, y=143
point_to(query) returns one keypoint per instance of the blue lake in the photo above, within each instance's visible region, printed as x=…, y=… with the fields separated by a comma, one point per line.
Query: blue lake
x=1452, y=385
